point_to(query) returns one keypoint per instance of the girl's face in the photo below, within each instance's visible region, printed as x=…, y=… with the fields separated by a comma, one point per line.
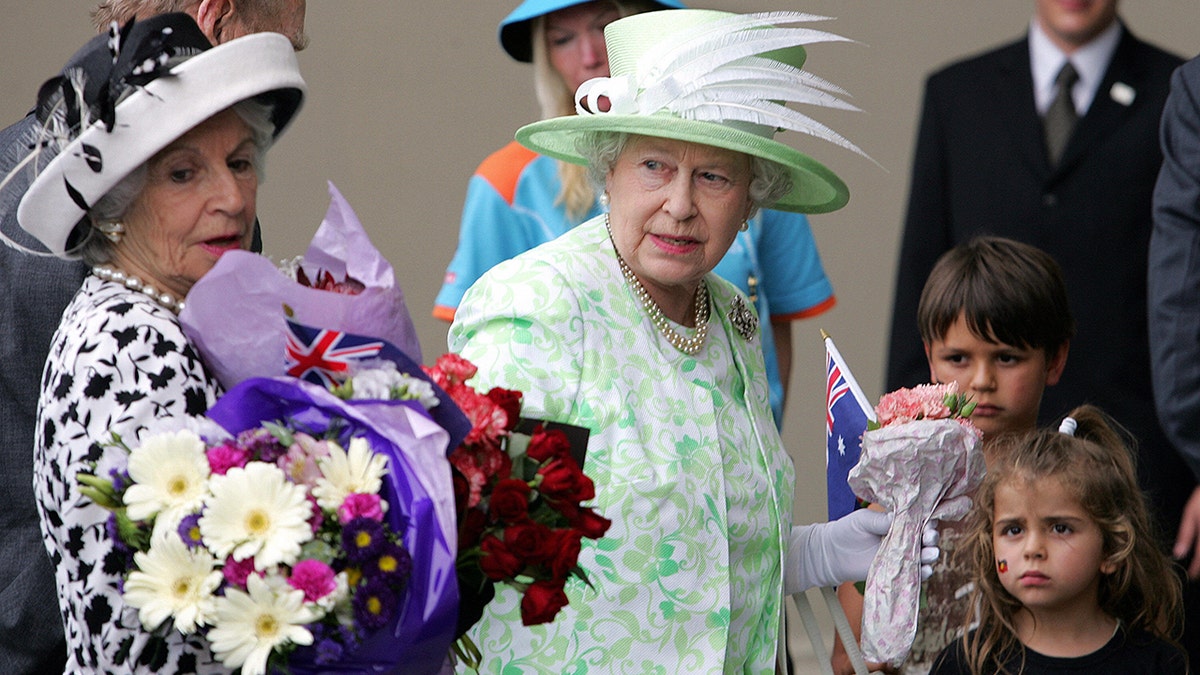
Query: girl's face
x=1049, y=551
x=1004, y=381
x=575, y=41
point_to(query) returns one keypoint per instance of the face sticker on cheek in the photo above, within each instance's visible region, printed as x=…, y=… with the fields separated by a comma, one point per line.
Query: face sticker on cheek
x=1002, y=566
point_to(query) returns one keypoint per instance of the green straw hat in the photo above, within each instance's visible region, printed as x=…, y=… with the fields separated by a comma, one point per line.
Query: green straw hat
x=712, y=78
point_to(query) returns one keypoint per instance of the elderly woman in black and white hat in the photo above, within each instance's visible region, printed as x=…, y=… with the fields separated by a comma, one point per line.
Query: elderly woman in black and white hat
x=147, y=166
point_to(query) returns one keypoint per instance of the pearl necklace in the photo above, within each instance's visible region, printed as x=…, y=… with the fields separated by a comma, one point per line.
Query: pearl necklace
x=687, y=345
x=135, y=284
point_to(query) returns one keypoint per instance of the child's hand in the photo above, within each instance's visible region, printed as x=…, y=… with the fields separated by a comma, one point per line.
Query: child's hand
x=1187, y=542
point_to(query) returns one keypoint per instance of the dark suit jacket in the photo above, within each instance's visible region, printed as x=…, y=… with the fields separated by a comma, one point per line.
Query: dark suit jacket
x=980, y=168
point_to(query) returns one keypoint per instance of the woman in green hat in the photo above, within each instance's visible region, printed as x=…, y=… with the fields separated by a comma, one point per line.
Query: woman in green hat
x=518, y=199
x=620, y=326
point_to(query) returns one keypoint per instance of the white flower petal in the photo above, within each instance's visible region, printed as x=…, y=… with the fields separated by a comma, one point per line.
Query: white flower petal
x=358, y=469
x=250, y=625
x=170, y=476
x=255, y=511
x=172, y=581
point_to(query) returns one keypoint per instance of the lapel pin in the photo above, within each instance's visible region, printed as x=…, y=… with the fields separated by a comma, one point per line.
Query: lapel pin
x=1122, y=93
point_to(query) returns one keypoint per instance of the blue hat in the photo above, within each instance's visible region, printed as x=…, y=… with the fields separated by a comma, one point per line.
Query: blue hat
x=516, y=30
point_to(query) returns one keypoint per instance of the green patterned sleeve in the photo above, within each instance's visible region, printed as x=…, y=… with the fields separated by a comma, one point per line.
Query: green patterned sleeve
x=521, y=325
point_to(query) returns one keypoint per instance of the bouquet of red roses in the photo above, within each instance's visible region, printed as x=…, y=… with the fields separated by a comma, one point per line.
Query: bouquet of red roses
x=518, y=488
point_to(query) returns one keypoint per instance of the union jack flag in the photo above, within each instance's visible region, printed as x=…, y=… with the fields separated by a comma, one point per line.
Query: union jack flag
x=846, y=416
x=323, y=356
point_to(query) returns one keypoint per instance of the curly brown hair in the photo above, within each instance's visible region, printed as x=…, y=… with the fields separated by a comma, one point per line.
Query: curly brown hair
x=1096, y=466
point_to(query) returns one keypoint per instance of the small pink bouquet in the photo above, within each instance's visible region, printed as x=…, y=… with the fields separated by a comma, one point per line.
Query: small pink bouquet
x=921, y=461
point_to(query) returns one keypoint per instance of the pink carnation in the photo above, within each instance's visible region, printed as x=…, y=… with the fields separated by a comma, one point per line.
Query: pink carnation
x=926, y=401
x=317, y=519
x=456, y=369
x=300, y=462
x=226, y=456
x=237, y=571
x=313, y=577
x=358, y=505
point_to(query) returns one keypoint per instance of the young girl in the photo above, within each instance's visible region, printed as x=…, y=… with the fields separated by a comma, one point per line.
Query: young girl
x=1067, y=574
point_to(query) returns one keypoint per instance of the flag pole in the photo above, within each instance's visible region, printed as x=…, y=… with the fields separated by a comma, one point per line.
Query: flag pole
x=863, y=401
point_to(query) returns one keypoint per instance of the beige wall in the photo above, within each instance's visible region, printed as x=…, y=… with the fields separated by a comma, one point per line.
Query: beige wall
x=407, y=97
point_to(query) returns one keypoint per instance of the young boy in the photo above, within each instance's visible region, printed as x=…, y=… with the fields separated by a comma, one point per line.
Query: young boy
x=994, y=318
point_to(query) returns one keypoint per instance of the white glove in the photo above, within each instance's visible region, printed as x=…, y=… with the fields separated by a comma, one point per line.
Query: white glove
x=929, y=548
x=827, y=554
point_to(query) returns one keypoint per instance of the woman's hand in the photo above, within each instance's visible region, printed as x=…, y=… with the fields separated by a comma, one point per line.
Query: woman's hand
x=827, y=554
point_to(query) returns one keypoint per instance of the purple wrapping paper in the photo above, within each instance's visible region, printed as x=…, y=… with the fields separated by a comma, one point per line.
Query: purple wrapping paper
x=235, y=313
x=420, y=497
x=919, y=471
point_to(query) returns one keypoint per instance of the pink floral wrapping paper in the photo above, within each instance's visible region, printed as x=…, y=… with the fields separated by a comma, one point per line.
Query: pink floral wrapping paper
x=235, y=314
x=920, y=470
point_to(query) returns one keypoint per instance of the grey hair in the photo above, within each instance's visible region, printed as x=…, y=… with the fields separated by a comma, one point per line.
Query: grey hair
x=769, y=181
x=97, y=249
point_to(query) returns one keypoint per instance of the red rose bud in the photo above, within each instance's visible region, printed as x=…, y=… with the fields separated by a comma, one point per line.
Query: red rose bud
x=542, y=601
x=566, y=555
x=498, y=562
x=546, y=444
x=590, y=524
x=510, y=501
x=509, y=401
x=470, y=528
x=563, y=480
x=532, y=542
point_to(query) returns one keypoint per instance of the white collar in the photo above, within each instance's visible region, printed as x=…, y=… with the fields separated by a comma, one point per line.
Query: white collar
x=1090, y=61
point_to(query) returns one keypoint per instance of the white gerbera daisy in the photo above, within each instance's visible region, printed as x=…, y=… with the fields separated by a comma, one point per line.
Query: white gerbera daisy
x=173, y=581
x=249, y=625
x=255, y=511
x=170, y=475
x=357, y=470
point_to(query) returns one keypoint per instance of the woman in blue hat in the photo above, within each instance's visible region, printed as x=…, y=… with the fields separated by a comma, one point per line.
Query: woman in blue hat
x=519, y=199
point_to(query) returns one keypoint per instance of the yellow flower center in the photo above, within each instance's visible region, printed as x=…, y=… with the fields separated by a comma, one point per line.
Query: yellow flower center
x=181, y=587
x=374, y=606
x=387, y=563
x=362, y=539
x=177, y=486
x=266, y=625
x=257, y=522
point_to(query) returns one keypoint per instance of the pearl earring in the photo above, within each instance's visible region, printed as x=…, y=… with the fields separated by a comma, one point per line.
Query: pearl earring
x=603, y=199
x=744, y=226
x=113, y=229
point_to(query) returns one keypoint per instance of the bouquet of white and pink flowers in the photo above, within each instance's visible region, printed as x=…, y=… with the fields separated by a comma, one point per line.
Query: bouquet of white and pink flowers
x=290, y=539
x=920, y=461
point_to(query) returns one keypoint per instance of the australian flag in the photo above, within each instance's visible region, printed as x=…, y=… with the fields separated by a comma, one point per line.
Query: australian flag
x=846, y=415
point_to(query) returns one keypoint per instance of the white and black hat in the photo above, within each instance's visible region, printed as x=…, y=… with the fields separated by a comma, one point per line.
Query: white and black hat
x=152, y=82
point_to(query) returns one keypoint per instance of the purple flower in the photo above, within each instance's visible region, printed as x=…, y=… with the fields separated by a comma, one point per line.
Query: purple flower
x=362, y=539
x=392, y=566
x=114, y=535
x=374, y=604
x=237, y=571
x=329, y=651
x=120, y=479
x=262, y=444
x=189, y=531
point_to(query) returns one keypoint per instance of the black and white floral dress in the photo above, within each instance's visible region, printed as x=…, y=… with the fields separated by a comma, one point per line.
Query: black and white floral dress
x=119, y=363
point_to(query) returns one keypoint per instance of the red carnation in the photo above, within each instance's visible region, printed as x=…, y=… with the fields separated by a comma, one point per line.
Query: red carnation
x=498, y=561
x=542, y=601
x=547, y=444
x=510, y=501
x=456, y=369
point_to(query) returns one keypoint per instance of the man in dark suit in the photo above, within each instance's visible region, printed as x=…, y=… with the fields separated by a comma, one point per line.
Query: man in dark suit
x=1175, y=298
x=34, y=291
x=984, y=165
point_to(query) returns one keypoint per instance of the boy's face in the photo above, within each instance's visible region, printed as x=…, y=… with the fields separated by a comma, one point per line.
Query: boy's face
x=1006, y=382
